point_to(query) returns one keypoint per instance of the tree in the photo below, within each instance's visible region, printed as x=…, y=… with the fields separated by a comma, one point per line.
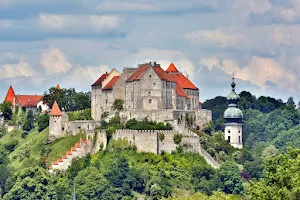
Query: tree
x=230, y=178
x=291, y=103
x=43, y=122
x=118, y=104
x=32, y=183
x=28, y=123
x=6, y=110
x=91, y=184
x=281, y=178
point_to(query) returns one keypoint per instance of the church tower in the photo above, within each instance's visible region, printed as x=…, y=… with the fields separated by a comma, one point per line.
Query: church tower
x=233, y=120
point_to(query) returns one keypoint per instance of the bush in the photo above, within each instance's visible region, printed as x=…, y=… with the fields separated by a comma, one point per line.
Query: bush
x=24, y=134
x=104, y=115
x=161, y=137
x=2, y=131
x=177, y=138
x=11, y=145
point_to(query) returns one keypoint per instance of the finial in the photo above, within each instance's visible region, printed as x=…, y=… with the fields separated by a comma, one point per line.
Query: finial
x=233, y=83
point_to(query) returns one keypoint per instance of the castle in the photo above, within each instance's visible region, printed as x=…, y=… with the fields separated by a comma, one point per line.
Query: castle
x=147, y=92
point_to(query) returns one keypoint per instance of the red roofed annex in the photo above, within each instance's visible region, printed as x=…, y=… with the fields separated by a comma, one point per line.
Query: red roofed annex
x=25, y=102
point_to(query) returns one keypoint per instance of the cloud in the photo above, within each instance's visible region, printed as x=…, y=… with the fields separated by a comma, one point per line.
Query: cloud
x=54, y=61
x=221, y=37
x=166, y=7
x=16, y=70
x=259, y=71
x=47, y=25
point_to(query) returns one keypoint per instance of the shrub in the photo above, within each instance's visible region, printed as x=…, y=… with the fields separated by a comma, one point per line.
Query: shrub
x=104, y=115
x=2, y=131
x=177, y=138
x=24, y=134
x=161, y=137
x=11, y=145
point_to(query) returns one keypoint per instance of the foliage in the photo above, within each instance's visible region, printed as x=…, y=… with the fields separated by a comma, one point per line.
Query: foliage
x=3, y=131
x=10, y=146
x=104, y=115
x=281, y=178
x=43, y=122
x=161, y=137
x=68, y=99
x=177, y=138
x=118, y=104
x=229, y=176
x=28, y=123
x=145, y=124
x=6, y=110
x=32, y=183
x=215, y=196
x=80, y=115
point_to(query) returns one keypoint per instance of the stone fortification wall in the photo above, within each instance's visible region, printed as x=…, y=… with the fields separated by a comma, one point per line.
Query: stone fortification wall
x=203, y=116
x=149, y=140
x=154, y=115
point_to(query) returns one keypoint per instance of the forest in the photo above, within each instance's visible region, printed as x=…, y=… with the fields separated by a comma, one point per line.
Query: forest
x=266, y=168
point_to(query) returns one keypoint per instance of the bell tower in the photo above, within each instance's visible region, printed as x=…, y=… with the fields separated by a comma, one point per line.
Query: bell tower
x=234, y=120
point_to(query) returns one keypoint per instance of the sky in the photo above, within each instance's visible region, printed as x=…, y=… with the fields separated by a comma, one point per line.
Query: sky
x=71, y=43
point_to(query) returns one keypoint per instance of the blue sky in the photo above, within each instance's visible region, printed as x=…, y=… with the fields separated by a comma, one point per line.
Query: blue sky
x=72, y=43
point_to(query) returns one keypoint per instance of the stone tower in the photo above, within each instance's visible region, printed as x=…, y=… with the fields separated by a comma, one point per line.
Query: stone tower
x=234, y=120
x=56, y=122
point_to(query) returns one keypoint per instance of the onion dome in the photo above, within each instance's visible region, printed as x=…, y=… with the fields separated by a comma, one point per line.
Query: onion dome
x=233, y=112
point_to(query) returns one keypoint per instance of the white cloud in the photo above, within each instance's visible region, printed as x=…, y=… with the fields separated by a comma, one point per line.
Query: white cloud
x=81, y=23
x=258, y=71
x=16, y=70
x=252, y=6
x=222, y=37
x=54, y=61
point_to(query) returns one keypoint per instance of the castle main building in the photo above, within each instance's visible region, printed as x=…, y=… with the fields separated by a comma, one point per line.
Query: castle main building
x=149, y=91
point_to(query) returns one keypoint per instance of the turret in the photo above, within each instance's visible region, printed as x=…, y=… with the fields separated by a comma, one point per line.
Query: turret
x=233, y=120
x=56, y=123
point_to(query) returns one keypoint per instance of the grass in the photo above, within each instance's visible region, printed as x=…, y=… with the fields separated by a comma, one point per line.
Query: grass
x=61, y=146
x=31, y=146
x=33, y=150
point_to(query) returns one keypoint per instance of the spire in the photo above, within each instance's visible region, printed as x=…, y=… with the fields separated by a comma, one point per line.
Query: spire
x=172, y=68
x=10, y=96
x=55, y=111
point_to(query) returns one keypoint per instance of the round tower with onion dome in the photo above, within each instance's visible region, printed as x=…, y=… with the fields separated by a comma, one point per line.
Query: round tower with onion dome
x=234, y=120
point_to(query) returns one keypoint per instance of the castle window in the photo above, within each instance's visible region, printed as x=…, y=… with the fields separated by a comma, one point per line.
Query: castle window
x=149, y=76
x=106, y=101
x=150, y=101
x=229, y=138
x=63, y=128
x=149, y=93
x=154, y=84
x=239, y=139
x=228, y=131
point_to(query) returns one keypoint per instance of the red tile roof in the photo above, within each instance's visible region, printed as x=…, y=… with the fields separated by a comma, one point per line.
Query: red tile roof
x=161, y=73
x=60, y=160
x=55, y=111
x=50, y=167
x=73, y=149
x=180, y=91
x=172, y=68
x=65, y=157
x=84, y=141
x=99, y=81
x=10, y=95
x=77, y=145
x=111, y=83
x=69, y=152
x=184, y=82
x=54, y=163
x=137, y=75
x=29, y=100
